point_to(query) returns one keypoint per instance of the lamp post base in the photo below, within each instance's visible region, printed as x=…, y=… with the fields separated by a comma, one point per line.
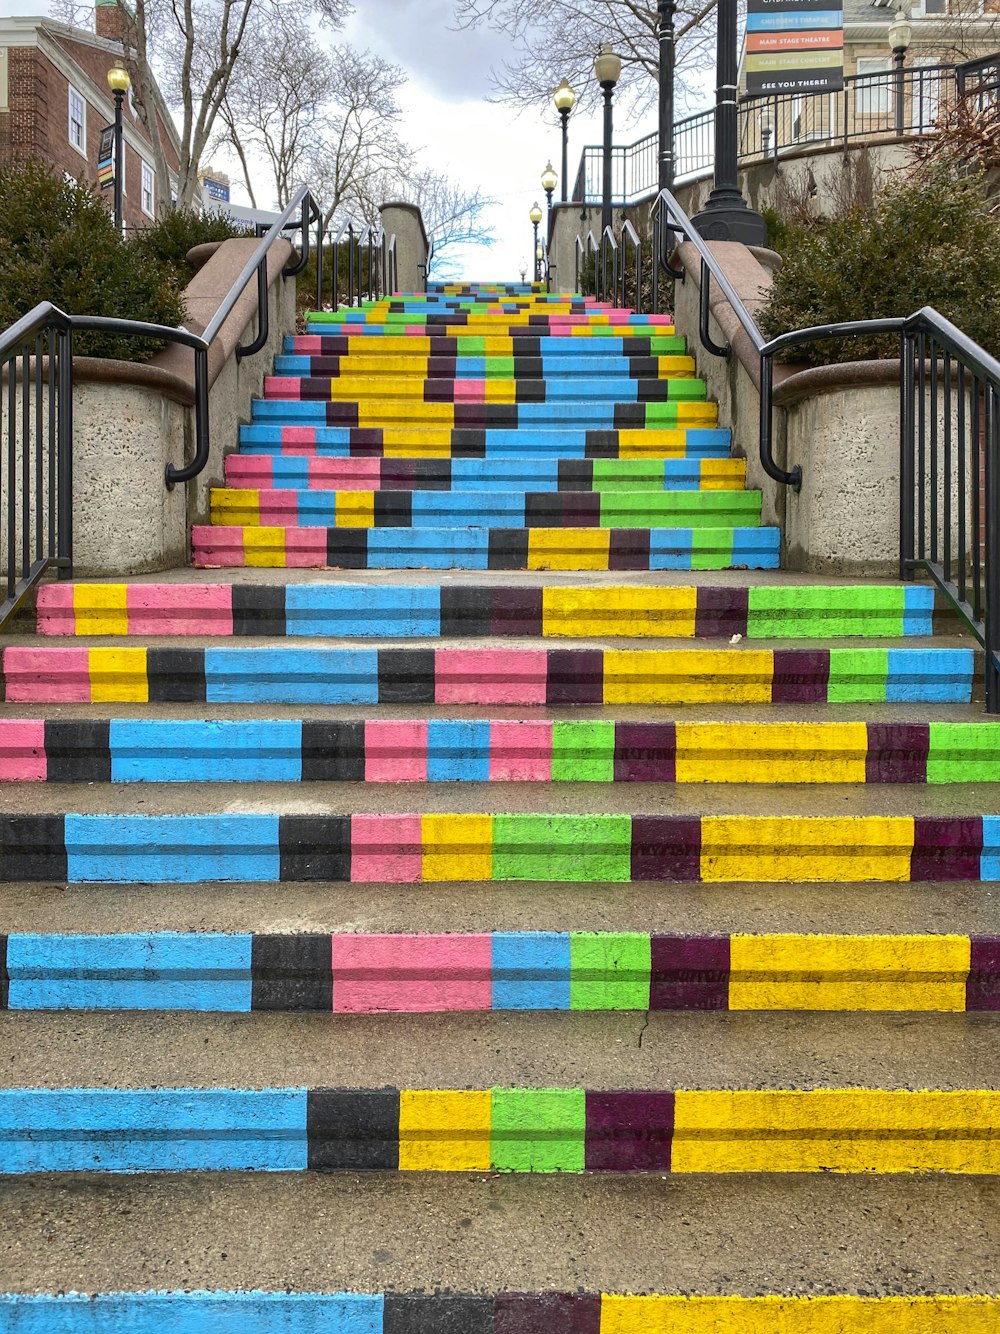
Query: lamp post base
x=727, y=217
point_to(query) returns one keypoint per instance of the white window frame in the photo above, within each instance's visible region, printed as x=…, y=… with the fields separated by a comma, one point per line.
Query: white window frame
x=920, y=10
x=72, y=93
x=873, y=99
x=146, y=173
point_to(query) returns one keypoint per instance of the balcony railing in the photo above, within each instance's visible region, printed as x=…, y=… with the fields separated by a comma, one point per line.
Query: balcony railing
x=870, y=106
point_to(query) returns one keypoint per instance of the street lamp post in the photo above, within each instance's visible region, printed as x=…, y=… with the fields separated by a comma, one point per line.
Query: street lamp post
x=766, y=130
x=607, y=67
x=119, y=83
x=535, y=214
x=726, y=215
x=549, y=179
x=900, y=32
x=564, y=100
x=665, y=32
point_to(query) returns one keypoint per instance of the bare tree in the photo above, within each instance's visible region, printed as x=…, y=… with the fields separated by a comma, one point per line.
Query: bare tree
x=559, y=39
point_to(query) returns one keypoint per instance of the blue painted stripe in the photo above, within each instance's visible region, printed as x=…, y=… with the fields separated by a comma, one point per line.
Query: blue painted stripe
x=316, y=509
x=186, y=849
x=366, y=610
x=441, y=509
x=989, y=865
x=152, y=1130
x=193, y=1313
x=181, y=751
x=939, y=674
x=756, y=548
x=458, y=751
x=670, y=548
x=292, y=675
x=428, y=549
x=918, y=609
x=539, y=474
x=531, y=970
x=161, y=971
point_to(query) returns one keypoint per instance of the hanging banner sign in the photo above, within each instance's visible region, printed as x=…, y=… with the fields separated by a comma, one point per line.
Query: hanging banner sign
x=106, y=158
x=794, y=46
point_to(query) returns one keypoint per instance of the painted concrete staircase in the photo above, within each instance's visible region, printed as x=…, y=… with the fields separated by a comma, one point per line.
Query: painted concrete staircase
x=454, y=941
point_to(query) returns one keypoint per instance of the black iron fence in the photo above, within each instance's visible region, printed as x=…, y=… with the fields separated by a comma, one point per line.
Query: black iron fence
x=870, y=106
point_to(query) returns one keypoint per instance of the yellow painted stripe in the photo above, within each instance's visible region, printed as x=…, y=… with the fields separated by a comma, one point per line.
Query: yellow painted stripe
x=666, y=443
x=118, y=676
x=400, y=443
x=771, y=752
x=701, y=413
x=671, y=367
x=568, y=548
x=806, y=848
x=841, y=1314
x=444, y=1130
x=687, y=676
x=376, y=413
x=609, y=611
x=100, y=609
x=457, y=847
x=835, y=1130
x=788, y=972
x=264, y=547
x=722, y=474
x=500, y=391
x=231, y=507
x=355, y=509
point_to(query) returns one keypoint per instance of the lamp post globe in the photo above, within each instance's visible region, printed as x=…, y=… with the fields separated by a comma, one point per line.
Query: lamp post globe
x=549, y=179
x=607, y=69
x=119, y=83
x=564, y=100
x=900, y=34
x=535, y=214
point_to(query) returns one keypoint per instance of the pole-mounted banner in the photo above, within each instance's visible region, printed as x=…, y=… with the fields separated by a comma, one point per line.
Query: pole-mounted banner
x=106, y=158
x=794, y=46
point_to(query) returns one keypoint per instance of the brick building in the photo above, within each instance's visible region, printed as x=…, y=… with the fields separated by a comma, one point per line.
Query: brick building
x=55, y=100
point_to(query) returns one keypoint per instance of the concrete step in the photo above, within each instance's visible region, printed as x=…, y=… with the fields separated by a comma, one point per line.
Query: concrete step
x=315, y=472
x=523, y=608
x=381, y=750
x=415, y=391
x=447, y=972
x=444, y=442
x=594, y=361
x=520, y=343
x=590, y=323
x=362, y=508
x=811, y=1236
x=584, y=414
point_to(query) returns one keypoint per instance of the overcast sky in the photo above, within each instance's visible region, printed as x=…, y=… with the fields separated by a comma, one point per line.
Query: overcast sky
x=448, y=119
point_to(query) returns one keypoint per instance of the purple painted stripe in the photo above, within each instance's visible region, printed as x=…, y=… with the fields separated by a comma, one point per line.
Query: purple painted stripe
x=366, y=442
x=666, y=848
x=982, y=989
x=516, y=611
x=946, y=848
x=628, y=1132
x=547, y=1313
x=575, y=676
x=628, y=549
x=897, y=752
x=801, y=676
x=689, y=973
x=645, y=752
x=721, y=612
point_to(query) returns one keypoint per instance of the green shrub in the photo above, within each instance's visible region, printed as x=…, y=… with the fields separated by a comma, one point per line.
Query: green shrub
x=929, y=240
x=58, y=244
x=170, y=238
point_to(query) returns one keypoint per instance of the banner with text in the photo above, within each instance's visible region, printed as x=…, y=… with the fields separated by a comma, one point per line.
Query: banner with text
x=794, y=46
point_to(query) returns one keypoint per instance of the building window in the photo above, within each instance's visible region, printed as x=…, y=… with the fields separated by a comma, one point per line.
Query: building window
x=77, y=121
x=148, y=195
x=871, y=92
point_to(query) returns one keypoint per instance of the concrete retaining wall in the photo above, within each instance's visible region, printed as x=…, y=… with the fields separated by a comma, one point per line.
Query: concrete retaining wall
x=406, y=223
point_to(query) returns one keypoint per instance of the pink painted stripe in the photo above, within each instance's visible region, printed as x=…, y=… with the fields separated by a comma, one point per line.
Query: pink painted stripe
x=305, y=548
x=490, y=676
x=180, y=609
x=345, y=474
x=297, y=435
x=282, y=386
x=415, y=974
x=22, y=750
x=54, y=613
x=249, y=470
x=521, y=752
x=470, y=391
x=386, y=848
x=47, y=675
x=278, y=509
x=395, y=752
x=220, y=548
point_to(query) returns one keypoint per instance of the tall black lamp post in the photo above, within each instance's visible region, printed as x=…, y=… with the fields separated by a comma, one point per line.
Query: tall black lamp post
x=900, y=32
x=549, y=179
x=727, y=216
x=119, y=83
x=665, y=32
x=607, y=67
x=535, y=214
x=564, y=100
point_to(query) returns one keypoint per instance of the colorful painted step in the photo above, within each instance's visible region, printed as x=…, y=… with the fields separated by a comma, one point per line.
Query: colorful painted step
x=479, y=415
x=383, y=610
x=255, y=1312
x=522, y=343
x=486, y=847
x=369, y=363
x=672, y=1131
x=312, y=472
x=350, y=973
x=442, y=750
x=356, y=508
x=414, y=390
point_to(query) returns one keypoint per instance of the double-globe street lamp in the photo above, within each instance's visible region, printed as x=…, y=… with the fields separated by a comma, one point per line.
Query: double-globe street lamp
x=119, y=83
x=564, y=100
x=607, y=68
x=535, y=214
